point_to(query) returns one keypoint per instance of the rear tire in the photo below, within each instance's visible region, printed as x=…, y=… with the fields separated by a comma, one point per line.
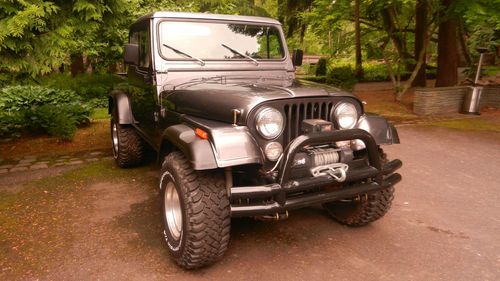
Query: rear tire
x=363, y=209
x=195, y=212
x=128, y=146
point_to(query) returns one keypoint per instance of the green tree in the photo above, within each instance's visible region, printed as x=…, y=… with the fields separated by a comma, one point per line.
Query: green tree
x=36, y=36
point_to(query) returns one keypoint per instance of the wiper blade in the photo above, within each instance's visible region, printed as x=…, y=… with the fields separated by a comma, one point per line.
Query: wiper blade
x=184, y=54
x=234, y=51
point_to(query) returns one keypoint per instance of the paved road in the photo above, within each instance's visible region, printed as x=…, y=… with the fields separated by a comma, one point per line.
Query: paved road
x=444, y=225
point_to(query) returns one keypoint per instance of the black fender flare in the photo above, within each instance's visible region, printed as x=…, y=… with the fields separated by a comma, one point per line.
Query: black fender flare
x=382, y=131
x=198, y=151
x=119, y=105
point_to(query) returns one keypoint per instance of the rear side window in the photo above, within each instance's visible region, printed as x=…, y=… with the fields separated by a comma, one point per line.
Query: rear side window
x=141, y=38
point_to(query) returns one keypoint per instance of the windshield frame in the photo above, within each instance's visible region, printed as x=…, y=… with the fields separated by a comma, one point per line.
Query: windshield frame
x=217, y=21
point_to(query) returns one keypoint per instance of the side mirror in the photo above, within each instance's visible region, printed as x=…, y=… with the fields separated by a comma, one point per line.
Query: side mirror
x=131, y=55
x=297, y=57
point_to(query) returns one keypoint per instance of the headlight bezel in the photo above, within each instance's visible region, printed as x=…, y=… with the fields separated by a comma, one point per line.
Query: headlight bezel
x=258, y=119
x=340, y=110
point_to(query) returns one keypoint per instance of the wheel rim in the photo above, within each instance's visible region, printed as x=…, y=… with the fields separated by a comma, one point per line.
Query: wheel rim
x=115, y=138
x=173, y=211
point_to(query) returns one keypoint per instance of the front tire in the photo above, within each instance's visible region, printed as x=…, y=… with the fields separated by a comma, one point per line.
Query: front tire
x=363, y=209
x=195, y=211
x=128, y=147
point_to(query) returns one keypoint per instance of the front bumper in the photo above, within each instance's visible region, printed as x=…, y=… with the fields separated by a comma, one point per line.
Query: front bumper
x=287, y=194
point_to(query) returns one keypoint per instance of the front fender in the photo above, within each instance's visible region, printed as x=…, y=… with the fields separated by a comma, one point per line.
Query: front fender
x=232, y=145
x=382, y=131
x=198, y=151
x=119, y=104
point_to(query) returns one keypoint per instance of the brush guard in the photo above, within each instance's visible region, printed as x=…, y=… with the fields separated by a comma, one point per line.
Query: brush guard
x=360, y=177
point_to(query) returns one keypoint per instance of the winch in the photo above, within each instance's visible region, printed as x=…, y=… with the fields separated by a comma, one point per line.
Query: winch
x=322, y=160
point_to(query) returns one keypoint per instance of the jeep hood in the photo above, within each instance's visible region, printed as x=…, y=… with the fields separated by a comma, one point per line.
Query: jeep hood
x=216, y=101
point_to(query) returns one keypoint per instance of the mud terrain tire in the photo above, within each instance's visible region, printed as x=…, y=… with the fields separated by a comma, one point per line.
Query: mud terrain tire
x=363, y=209
x=202, y=237
x=128, y=147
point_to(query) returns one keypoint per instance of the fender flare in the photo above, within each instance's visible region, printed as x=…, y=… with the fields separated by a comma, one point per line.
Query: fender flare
x=119, y=106
x=198, y=151
x=382, y=131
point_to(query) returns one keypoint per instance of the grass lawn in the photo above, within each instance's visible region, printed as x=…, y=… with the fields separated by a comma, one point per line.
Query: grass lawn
x=488, y=121
x=99, y=114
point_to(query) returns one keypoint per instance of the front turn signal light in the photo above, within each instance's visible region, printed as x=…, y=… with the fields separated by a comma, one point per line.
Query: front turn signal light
x=201, y=134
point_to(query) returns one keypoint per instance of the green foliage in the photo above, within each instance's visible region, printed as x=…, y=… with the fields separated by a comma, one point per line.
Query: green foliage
x=93, y=88
x=321, y=67
x=37, y=36
x=342, y=76
x=377, y=72
x=55, y=120
x=316, y=79
x=482, y=23
x=40, y=109
x=100, y=113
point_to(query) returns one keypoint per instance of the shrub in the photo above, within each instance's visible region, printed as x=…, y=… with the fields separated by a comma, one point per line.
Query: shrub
x=40, y=109
x=10, y=124
x=306, y=69
x=321, y=67
x=341, y=76
x=57, y=120
x=375, y=72
x=316, y=79
x=90, y=87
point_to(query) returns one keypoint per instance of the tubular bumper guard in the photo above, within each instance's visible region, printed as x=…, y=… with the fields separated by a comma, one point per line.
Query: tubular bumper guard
x=383, y=176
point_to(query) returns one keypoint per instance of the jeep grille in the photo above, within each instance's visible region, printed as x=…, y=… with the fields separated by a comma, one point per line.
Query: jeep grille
x=298, y=111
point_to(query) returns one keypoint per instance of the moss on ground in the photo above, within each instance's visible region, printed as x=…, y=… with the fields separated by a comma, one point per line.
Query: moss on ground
x=37, y=224
x=393, y=111
x=472, y=124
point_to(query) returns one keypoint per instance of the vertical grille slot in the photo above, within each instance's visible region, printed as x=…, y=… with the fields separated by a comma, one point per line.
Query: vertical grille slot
x=296, y=112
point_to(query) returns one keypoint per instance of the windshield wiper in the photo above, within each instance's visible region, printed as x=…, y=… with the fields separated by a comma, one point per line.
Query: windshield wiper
x=234, y=51
x=184, y=54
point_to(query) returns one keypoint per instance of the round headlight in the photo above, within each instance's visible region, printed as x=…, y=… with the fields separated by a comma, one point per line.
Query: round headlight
x=346, y=115
x=269, y=122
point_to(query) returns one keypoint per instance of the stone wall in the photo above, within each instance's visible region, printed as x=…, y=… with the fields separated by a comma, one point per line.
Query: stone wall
x=491, y=97
x=446, y=100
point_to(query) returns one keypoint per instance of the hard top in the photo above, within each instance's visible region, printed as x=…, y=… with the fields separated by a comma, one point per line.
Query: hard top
x=207, y=16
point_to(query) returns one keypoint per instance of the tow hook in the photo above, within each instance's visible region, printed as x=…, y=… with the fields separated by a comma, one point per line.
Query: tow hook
x=275, y=217
x=338, y=171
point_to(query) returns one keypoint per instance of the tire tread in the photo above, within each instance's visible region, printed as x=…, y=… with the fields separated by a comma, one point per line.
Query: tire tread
x=207, y=210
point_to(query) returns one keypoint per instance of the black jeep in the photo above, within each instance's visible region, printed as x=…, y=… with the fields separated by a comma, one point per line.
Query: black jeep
x=237, y=135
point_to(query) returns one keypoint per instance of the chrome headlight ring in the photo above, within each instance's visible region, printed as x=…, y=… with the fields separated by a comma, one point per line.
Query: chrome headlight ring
x=269, y=122
x=346, y=115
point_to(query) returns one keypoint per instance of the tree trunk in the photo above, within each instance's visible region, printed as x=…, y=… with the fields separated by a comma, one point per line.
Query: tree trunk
x=389, y=18
x=357, y=28
x=77, y=65
x=447, y=49
x=421, y=11
x=463, y=51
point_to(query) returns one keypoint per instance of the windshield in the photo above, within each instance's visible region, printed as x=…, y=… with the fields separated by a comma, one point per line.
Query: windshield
x=210, y=41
